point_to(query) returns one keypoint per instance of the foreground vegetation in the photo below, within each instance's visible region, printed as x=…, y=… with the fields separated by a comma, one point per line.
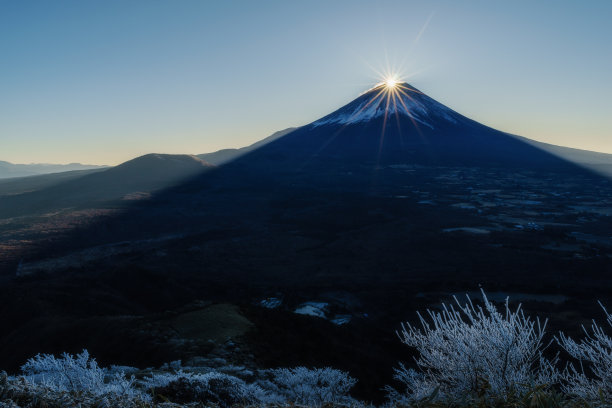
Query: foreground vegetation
x=468, y=356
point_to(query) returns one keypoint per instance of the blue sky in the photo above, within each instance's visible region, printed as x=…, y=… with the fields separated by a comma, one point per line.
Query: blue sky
x=105, y=81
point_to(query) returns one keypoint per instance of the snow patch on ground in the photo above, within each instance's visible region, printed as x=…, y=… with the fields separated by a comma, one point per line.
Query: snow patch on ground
x=340, y=320
x=316, y=309
x=271, y=302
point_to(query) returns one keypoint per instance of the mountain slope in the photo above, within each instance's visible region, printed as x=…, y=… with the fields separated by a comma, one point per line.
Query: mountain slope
x=597, y=162
x=225, y=155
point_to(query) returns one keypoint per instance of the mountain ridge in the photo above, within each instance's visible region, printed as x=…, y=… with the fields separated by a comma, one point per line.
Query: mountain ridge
x=225, y=155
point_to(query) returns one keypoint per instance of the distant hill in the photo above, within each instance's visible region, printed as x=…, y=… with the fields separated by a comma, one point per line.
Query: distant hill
x=8, y=170
x=130, y=180
x=20, y=185
x=225, y=155
x=151, y=171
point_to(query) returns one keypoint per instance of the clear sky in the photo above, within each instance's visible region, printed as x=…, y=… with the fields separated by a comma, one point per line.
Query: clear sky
x=104, y=81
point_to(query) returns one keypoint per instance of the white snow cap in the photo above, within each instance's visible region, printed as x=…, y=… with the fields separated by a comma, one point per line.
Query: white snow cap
x=402, y=99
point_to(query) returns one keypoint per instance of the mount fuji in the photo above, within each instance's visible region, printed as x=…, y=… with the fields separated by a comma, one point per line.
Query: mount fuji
x=402, y=125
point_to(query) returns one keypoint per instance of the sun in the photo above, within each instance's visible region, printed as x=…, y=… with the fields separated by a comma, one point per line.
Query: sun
x=391, y=82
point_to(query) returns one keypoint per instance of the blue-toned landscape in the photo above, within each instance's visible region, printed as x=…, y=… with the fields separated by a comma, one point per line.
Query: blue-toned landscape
x=193, y=213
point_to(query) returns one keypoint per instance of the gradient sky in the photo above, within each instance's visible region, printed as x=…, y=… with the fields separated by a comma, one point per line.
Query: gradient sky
x=104, y=81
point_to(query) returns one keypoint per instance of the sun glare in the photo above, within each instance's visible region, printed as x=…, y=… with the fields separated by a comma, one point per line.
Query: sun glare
x=391, y=82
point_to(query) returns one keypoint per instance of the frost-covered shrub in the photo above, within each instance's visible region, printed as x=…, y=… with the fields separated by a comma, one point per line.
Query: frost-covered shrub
x=66, y=373
x=474, y=350
x=213, y=387
x=79, y=373
x=312, y=387
x=17, y=392
x=418, y=387
x=592, y=381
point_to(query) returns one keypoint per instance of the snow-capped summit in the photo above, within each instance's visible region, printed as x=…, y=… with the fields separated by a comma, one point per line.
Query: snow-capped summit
x=400, y=99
